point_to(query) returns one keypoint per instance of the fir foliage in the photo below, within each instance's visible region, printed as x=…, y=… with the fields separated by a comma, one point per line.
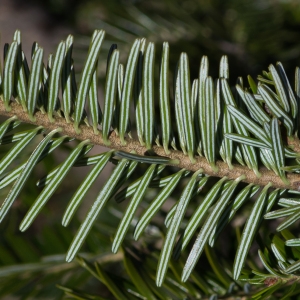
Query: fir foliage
x=228, y=147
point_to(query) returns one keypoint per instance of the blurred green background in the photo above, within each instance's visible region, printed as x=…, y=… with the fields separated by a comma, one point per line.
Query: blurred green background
x=252, y=33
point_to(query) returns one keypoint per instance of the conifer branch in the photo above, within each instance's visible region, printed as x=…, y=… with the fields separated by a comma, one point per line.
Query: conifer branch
x=133, y=145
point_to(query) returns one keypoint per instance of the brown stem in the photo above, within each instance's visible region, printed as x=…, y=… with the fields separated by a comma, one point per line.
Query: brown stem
x=184, y=161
